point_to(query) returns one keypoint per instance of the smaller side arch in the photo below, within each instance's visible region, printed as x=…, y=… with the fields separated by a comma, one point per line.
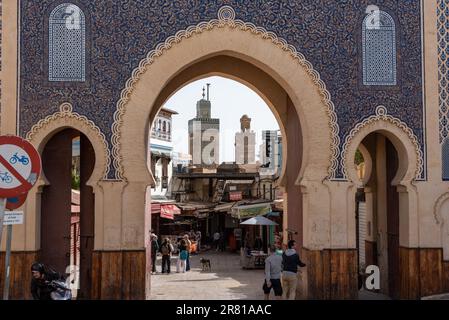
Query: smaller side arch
x=402, y=137
x=41, y=132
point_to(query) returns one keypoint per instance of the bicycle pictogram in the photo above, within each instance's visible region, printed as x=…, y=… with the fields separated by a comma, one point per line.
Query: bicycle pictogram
x=23, y=159
x=5, y=177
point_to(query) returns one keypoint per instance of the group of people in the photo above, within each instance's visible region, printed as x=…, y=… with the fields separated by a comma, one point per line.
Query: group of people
x=281, y=269
x=166, y=249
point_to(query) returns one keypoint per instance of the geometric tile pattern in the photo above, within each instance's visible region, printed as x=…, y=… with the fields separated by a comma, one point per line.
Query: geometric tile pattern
x=379, y=49
x=445, y=156
x=120, y=34
x=67, y=44
x=443, y=65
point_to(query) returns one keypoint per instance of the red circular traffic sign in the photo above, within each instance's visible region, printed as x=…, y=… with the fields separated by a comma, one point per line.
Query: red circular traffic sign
x=20, y=166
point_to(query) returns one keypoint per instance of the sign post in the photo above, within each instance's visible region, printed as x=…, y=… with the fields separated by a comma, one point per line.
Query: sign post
x=7, y=266
x=20, y=166
x=2, y=215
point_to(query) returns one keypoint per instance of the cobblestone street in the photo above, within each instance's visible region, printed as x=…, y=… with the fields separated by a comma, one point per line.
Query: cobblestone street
x=226, y=281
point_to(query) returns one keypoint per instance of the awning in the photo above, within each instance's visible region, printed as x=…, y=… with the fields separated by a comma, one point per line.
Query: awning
x=75, y=209
x=155, y=208
x=224, y=206
x=252, y=210
x=168, y=211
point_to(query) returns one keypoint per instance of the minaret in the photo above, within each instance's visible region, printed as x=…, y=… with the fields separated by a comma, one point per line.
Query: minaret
x=204, y=132
x=245, y=143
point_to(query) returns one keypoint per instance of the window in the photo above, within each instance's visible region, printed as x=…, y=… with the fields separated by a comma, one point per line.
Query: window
x=379, y=49
x=445, y=156
x=67, y=44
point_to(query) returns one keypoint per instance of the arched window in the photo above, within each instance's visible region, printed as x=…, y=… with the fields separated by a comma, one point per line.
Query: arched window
x=67, y=44
x=445, y=156
x=164, y=126
x=160, y=125
x=168, y=127
x=379, y=49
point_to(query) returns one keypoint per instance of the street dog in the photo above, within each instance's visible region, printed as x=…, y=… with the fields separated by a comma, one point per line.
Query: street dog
x=205, y=264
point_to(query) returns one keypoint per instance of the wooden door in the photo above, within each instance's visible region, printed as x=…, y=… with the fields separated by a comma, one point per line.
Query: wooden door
x=56, y=201
x=87, y=215
x=392, y=221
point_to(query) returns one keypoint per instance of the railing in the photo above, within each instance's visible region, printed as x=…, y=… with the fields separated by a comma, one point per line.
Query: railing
x=166, y=136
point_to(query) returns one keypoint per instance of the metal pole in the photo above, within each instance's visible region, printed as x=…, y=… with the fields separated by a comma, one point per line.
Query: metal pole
x=8, y=256
x=2, y=214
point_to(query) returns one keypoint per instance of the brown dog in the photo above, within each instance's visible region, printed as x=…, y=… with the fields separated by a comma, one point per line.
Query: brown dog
x=205, y=264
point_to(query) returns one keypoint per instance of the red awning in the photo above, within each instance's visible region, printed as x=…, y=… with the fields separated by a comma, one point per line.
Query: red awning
x=155, y=208
x=168, y=211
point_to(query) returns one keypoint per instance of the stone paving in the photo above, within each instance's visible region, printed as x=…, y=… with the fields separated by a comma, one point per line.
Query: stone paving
x=226, y=280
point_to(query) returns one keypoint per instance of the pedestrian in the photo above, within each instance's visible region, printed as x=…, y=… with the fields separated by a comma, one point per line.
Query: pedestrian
x=198, y=240
x=217, y=240
x=188, y=249
x=290, y=263
x=273, y=269
x=154, y=250
x=258, y=243
x=42, y=280
x=181, y=263
x=166, y=250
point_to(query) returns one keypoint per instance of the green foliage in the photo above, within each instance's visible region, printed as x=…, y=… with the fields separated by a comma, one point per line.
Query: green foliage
x=75, y=181
x=358, y=157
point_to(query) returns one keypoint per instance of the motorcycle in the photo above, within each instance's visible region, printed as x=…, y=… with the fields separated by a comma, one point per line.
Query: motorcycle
x=61, y=290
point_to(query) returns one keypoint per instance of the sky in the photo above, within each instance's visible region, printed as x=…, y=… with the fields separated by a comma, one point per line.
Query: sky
x=230, y=101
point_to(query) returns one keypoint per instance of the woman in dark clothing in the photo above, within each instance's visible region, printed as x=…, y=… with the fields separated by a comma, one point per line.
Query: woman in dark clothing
x=41, y=287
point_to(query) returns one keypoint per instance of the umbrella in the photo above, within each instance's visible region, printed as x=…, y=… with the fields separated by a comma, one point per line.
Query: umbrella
x=259, y=221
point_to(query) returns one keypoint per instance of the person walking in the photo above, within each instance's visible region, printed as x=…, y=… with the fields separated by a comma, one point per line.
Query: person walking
x=154, y=250
x=273, y=269
x=198, y=241
x=290, y=263
x=188, y=249
x=181, y=263
x=166, y=250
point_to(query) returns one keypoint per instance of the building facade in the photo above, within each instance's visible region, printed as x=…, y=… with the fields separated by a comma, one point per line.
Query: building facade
x=338, y=76
x=161, y=151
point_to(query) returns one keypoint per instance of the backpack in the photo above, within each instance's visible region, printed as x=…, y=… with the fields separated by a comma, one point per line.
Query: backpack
x=165, y=250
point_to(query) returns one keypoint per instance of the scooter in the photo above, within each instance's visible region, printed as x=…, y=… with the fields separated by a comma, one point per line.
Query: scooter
x=62, y=290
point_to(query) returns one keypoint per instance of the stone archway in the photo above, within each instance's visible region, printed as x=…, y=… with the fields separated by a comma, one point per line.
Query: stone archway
x=66, y=124
x=254, y=46
x=393, y=207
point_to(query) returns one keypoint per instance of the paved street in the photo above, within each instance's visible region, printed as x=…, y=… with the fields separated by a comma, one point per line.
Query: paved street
x=226, y=281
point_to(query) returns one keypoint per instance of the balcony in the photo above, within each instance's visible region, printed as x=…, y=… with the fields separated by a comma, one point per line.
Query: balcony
x=160, y=135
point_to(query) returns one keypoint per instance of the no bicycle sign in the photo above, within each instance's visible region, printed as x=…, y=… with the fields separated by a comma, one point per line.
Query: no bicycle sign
x=20, y=166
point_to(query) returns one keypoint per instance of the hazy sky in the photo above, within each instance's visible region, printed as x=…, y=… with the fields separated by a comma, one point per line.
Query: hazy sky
x=230, y=100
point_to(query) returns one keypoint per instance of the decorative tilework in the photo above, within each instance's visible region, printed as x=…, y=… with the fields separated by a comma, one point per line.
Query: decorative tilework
x=382, y=115
x=122, y=33
x=379, y=49
x=67, y=44
x=443, y=78
x=445, y=159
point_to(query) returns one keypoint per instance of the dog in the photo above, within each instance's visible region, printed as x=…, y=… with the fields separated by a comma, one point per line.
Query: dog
x=205, y=264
